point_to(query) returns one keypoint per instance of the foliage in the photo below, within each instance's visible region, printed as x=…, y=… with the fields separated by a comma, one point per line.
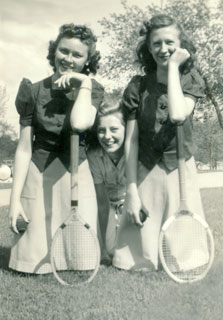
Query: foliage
x=7, y=147
x=7, y=133
x=115, y=294
x=204, y=26
x=208, y=138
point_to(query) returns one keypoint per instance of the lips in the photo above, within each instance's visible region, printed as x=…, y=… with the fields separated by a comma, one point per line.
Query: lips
x=66, y=67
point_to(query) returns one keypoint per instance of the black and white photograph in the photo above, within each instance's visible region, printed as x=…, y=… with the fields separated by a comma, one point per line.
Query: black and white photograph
x=111, y=159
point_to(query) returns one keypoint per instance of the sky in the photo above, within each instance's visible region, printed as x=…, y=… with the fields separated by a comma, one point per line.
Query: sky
x=27, y=26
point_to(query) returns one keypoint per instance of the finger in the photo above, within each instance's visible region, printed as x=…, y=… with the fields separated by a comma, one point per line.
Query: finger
x=13, y=226
x=63, y=82
x=68, y=81
x=172, y=50
x=130, y=217
x=138, y=221
x=58, y=82
x=25, y=217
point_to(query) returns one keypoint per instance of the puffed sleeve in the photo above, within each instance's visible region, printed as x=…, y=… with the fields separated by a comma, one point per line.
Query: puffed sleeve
x=97, y=94
x=193, y=84
x=131, y=98
x=25, y=103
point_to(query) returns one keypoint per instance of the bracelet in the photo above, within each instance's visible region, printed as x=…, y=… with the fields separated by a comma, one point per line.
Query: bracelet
x=85, y=88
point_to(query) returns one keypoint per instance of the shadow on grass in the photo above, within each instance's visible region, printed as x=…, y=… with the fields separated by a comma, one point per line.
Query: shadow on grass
x=4, y=258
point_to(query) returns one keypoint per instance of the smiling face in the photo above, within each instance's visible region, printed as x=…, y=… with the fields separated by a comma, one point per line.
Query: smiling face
x=111, y=134
x=71, y=56
x=163, y=42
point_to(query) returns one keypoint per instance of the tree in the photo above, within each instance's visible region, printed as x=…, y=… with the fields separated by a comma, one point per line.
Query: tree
x=205, y=26
x=208, y=138
x=7, y=133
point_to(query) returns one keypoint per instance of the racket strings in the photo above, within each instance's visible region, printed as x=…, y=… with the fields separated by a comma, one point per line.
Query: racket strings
x=186, y=248
x=75, y=249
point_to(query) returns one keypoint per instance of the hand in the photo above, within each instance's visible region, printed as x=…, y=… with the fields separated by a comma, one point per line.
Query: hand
x=15, y=211
x=179, y=56
x=72, y=79
x=133, y=206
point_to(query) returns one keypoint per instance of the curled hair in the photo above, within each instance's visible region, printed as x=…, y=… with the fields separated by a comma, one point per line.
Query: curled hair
x=86, y=36
x=145, y=58
x=105, y=109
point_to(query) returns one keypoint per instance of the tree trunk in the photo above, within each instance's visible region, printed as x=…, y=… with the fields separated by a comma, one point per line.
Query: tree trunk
x=211, y=97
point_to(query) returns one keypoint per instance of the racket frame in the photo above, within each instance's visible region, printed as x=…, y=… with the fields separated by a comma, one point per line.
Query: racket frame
x=74, y=216
x=183, y=210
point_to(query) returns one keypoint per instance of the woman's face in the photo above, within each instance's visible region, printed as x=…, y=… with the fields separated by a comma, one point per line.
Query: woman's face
x=71, y=56
x=111, y=133
x=162, y=44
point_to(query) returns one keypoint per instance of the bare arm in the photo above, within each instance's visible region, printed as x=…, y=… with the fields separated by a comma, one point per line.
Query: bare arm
x=180, y=106
x=21, y=165
x=83, y=113
x=133, y=203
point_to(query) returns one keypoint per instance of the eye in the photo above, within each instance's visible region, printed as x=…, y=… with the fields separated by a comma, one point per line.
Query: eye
x=64, y=50
x=170, y=42
x=77, y=55
x=114, y=129
x=156, y=44
x=101, y=130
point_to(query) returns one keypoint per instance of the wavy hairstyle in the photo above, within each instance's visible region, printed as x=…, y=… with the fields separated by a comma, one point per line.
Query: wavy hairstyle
x=145, y=58
x=105, y=109
x=86, y=36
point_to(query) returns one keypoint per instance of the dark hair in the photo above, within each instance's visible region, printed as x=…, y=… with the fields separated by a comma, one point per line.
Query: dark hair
x=145, y=58
x=86, y=36
x=105, y=109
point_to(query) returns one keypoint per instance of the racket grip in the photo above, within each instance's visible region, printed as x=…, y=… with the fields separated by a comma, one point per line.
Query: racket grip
x=21, y=225
x=143, y=216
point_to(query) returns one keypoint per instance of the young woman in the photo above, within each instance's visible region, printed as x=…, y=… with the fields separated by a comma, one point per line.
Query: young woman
x=156, y=102
x=48, y=110
x=106, y=160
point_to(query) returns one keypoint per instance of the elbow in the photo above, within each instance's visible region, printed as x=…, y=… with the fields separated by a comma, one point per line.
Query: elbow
x=177, y=118
x=80, y=126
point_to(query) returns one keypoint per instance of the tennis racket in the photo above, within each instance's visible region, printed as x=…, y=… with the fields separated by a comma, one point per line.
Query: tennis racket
x=75, y=251
x=186, y=245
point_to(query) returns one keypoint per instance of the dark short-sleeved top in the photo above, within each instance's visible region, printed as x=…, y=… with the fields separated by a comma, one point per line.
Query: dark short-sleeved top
x=47, y=109
x=146, y=100
x=105, y=171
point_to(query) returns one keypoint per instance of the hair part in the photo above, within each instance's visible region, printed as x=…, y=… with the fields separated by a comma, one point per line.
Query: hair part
x=86, y=36
x=145, y=58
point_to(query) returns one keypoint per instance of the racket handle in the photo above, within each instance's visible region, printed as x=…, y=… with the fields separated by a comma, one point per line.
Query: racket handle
x=21, y=225
x=143, y=216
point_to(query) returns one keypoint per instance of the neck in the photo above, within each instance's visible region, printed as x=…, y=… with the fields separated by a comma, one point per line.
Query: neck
x=162, y=75
x=116, y=156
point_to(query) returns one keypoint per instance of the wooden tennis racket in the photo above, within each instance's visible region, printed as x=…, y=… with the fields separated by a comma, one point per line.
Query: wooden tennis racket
x=186, y=245
x=75, y=251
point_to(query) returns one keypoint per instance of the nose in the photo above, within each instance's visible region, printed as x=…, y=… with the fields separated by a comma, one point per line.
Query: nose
x=69, y=58
x=107, y=134
x=163, y=47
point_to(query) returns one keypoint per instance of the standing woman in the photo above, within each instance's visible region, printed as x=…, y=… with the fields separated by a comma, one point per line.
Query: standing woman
x=156, y=103
x=48, y=110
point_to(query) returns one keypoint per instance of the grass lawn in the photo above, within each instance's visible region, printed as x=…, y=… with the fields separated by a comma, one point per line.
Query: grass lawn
x=116, y=294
